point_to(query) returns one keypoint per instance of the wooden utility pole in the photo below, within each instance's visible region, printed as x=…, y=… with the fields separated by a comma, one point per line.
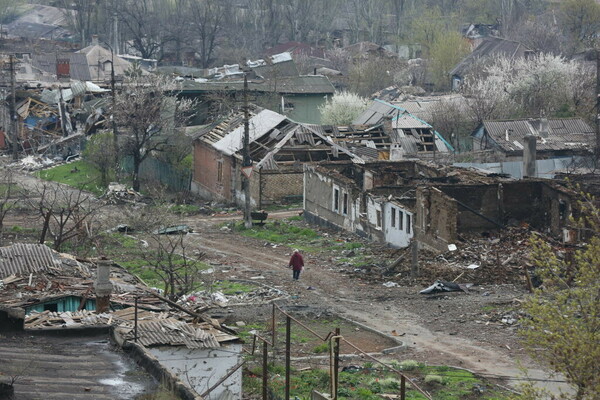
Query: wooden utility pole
x=13, y=111
x=247, y=162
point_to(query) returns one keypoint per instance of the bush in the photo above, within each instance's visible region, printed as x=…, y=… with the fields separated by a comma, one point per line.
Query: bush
x=342, y=109
x=409, y=365
x=434, y=379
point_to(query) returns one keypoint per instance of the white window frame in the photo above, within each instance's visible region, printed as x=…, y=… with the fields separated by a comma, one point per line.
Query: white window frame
x=336, y=199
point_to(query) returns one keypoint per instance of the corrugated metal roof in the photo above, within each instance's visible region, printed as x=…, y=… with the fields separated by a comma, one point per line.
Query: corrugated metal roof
x=176, y=333
x=20, y=259
x=376, y=113
x=78, y=64
x=260, y=124
x=563, y=134
x=407, y=121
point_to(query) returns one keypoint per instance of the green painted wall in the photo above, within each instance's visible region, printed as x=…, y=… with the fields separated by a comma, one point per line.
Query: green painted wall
x=306, y=107
x=70, y=303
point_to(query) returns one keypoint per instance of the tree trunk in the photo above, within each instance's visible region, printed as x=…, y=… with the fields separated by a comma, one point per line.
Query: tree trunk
x=136, y=173
x=45, y=228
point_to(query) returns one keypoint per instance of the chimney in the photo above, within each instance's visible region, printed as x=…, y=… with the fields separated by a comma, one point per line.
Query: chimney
x=102, y=285
x=529, y=156
x=544, y=127
x=63, y=68
x=396, y=152
x=94, y=40
x=367, y=180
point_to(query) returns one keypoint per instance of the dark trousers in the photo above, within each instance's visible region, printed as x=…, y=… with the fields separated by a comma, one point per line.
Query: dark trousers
x=296, y=274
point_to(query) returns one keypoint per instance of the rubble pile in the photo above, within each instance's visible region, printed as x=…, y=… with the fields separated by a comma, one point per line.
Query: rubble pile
x=207, y=299
x=118, y=194
x=501, y=259
x=32, y=163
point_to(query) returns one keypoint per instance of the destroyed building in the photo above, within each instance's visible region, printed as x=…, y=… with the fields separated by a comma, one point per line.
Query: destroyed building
x=407, y=135
x=555, y=137
x=278, y=148
x=394, y=202
x=42, y=292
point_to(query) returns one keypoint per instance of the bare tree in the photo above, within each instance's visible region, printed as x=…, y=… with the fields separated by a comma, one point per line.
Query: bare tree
x=206, y=24
x=66, y=213
x=148, y=112
x=177, y=266
x=8, y=197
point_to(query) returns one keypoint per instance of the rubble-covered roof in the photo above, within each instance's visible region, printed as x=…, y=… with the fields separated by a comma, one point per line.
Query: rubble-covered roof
x=563, y=134
x=23, y=259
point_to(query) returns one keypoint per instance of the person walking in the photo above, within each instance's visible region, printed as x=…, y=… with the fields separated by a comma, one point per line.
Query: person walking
x=296, y=264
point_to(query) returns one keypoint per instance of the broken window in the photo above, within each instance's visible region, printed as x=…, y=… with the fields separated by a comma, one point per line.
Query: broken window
x=401, y=220
x=336, y=199
x=219, y=171
x=407, y=223
x=345, y=204
x=393, y=219
x=378, y=218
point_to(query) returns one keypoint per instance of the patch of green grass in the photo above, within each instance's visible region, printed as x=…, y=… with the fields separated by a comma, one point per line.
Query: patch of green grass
x=232, y=288
x=78, y=174
x=369, y=383
x=322, y=348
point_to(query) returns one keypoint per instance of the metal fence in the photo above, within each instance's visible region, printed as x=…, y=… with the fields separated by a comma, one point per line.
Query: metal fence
x=155, y=170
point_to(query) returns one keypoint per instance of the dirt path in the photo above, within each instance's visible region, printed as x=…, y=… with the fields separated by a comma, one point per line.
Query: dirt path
x=384, y=309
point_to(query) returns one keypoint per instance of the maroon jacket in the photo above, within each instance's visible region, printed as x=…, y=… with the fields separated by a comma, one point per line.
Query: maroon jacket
x=297, y=262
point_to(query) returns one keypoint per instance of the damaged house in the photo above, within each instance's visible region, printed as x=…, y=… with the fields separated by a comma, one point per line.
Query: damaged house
x=555, y=137
x=42, y=291
x=278, y=148
x=394, y=202
x=407, y=135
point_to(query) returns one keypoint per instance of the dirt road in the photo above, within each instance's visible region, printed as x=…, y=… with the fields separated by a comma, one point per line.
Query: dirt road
x=438, y=330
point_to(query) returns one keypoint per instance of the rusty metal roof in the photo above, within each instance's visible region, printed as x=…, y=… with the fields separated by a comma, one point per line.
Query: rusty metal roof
x=175, y=333
x=20, y=259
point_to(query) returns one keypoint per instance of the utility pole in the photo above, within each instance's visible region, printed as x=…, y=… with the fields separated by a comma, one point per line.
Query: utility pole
x=13, y=110
x=114, y=106
x=247, y=162
x=597, y=148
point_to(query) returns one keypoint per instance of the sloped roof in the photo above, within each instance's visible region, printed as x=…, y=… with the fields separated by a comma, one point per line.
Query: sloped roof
x=490, y=46
x=97, y=56
x=260, y=124
x=20, y=259
x=563, y=134
x=78, y=64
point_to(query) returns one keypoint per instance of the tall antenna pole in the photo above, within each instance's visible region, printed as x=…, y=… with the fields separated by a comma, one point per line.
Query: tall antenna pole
x=13, y=110
x=246, y=161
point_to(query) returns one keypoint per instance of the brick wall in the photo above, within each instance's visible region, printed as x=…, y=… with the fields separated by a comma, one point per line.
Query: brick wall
x=275, y=185
x=206, y=171
x=437, y=218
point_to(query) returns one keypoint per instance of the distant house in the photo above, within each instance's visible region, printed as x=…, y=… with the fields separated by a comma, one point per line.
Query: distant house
x=490, y=46
x=408, y=136
x=298, y=97
x=100, y=62
x=278, y=148
x=40, y=22
x=555, y=137
x=396, y=202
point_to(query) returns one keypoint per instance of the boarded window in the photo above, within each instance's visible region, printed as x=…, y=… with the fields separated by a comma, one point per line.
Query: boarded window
x=336, y=199
x=219, y=171
x=345, y=204
x=401, y=220
x=408, y=227
x=393, y=219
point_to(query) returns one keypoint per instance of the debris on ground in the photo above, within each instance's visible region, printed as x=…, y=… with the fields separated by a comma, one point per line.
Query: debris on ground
x=117, y=193
x=173, y=230
x=32, y=163
x=442, y=286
